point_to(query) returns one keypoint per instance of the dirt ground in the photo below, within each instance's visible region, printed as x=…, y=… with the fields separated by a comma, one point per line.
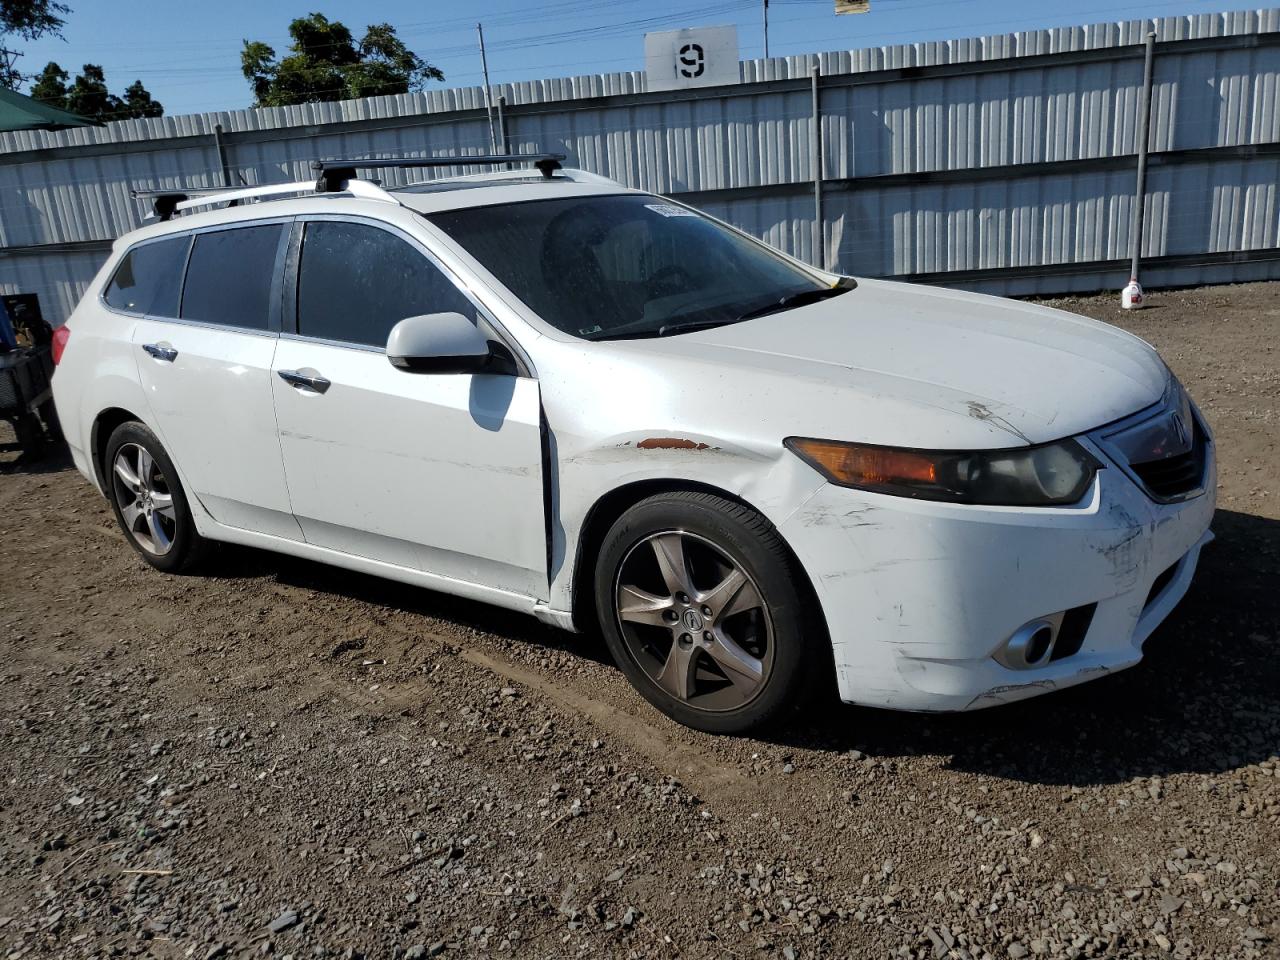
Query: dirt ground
x=282, y=758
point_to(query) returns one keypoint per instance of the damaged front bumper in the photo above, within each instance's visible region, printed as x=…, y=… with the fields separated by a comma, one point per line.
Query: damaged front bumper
x=920, y=597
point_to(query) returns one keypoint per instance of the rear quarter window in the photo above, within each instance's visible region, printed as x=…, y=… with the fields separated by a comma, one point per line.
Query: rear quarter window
x=230, y=276
x=149, y=278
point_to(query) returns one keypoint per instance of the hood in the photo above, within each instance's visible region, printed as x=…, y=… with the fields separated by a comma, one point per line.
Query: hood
x=908, y=365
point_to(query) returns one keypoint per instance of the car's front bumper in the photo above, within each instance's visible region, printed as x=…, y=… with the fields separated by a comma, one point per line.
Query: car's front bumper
x=919, y=595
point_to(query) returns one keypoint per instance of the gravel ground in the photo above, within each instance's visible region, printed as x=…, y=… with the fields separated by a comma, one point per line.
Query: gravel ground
x=279, y=758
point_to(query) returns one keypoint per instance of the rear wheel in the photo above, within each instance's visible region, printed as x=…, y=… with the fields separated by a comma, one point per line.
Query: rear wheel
x=148, y=500
x=698, y=601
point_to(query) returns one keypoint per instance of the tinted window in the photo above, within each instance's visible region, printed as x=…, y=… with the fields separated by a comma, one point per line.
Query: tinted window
x=356, y=282
x=229, y=278
x=149, y=278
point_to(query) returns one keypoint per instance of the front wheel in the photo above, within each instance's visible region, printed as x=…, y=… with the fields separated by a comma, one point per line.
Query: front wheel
x=702, y=608
x=149, y=502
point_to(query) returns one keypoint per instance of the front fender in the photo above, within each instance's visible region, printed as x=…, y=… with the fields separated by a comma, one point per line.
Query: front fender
x=767, y=477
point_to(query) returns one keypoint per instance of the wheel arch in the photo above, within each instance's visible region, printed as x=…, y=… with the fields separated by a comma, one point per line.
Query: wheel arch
x=613, y=504
x=104, y=424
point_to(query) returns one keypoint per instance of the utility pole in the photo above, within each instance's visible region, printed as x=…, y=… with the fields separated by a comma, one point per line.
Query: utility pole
x=9, y=70
x=488, y=102
x=766, y=29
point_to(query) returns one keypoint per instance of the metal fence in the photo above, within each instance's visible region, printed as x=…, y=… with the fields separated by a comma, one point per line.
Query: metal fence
x=1005, y=163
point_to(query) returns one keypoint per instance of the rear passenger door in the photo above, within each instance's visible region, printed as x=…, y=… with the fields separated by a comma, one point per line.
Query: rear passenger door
x=205, y=363
x=435, y=472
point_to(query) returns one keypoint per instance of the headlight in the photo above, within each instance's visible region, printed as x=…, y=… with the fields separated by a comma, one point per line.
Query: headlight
x=1051, y=474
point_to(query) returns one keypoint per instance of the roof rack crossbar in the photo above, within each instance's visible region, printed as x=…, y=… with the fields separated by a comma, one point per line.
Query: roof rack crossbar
x=335, y=173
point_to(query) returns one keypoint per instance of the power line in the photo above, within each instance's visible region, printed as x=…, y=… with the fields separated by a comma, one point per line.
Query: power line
x=612, y=29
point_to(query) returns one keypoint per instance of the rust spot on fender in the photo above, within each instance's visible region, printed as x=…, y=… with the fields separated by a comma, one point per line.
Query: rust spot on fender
x=669, y=443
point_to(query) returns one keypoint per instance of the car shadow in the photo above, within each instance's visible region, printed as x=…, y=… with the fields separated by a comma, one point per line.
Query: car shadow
x=1204, y=699
x=234, y=562
x=54, y=458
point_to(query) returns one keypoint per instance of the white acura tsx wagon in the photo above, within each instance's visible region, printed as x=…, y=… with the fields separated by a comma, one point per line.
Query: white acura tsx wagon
x=542, y=390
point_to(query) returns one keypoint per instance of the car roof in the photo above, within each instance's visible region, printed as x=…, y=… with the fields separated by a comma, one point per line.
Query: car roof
x=427, y=197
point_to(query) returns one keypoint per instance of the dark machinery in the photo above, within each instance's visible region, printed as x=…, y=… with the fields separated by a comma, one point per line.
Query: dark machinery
x=26, y=367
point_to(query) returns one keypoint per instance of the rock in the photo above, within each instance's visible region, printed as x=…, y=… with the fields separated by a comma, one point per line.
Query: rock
x=1170, y=905
x=283, y=922
x=1017, y=951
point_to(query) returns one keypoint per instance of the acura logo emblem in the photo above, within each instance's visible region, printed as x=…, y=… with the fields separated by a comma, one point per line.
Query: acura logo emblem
x=1180, y=429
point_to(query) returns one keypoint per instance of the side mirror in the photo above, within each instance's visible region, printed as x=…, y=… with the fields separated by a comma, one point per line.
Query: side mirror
x=443, y=343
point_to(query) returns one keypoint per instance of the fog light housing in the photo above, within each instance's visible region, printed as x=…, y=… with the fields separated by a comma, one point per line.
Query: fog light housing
x=1031, y=644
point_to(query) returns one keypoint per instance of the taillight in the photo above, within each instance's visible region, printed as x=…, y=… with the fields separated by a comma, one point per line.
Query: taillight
x=60, y=338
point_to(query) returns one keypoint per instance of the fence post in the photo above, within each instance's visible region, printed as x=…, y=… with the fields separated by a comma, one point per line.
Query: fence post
x=222, y=155
x=504, y=145
x=815, y=146
x=1132, y=297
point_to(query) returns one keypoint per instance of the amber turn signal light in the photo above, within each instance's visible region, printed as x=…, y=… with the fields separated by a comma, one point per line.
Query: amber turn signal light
x=863, y=466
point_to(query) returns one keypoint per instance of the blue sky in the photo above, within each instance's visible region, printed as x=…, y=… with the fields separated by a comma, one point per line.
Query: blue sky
x=188, y=54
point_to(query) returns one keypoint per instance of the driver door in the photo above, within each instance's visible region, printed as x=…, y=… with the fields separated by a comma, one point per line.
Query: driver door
x=435, y=472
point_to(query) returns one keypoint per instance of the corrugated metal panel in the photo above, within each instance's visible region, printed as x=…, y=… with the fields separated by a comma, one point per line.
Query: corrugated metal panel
x=1075, y=102
x=60, y=280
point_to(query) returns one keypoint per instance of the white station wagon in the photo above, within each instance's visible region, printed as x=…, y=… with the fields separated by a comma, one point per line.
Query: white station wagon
x=540, y=389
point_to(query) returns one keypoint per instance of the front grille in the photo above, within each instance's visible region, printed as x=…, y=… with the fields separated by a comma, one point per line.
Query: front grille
x=1177, y=475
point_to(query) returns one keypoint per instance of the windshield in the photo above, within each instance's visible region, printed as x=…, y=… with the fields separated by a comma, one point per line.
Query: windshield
x=616, y=267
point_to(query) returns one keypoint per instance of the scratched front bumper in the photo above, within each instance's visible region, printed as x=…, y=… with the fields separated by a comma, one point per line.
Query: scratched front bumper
x=919, y=595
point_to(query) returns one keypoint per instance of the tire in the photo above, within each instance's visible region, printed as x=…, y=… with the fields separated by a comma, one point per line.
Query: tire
x=744, y=647
x=154, y=515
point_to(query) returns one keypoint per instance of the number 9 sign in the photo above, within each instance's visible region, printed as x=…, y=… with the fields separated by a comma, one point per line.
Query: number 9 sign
x=702, y=57
x=692, y=61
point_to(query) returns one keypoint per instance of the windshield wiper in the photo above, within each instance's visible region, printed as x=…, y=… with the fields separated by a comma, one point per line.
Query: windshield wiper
x=669, y=328
x=803, y=298
x=843, y=285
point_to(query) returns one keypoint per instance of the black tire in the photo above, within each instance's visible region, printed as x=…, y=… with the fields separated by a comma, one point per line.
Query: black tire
x=797, y=658
x=186, y=547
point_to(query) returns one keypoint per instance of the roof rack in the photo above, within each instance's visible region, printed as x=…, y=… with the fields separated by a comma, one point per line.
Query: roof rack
x=166, y=202
x=334, y=174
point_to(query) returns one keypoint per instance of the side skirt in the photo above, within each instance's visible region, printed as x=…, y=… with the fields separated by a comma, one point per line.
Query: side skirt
x=376, y=568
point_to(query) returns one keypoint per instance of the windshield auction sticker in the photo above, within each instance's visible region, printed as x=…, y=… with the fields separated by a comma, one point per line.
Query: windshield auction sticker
x=669, y=210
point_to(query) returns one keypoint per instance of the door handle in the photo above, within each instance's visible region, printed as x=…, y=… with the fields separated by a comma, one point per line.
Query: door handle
x=161, y=351
x=297, y=378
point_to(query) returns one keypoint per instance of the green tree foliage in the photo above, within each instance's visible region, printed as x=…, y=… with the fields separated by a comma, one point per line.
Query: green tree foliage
x=325, y=63
x=89, y=97
x=29, y=19
x=50, y=86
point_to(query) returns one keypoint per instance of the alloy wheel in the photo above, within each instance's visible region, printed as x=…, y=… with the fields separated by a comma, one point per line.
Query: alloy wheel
x=144, y=498
x=694, y=620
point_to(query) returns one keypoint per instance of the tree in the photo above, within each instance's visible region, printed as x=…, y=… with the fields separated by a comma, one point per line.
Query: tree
x=51, y=86
x=29, y=19
x=325, y=63
x=89, y=97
